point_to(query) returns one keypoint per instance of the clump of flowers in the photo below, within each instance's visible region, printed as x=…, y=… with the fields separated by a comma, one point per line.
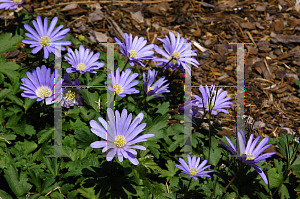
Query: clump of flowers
x=136, y=50
x=177, y=53
x=122, y=83
x=213, y=100
x=156, y=88
x=83, y=61
x=193, y=169
x=250, y=154
x=120, y=134
x=45, y=38
x=10, y=4
x=40, y=85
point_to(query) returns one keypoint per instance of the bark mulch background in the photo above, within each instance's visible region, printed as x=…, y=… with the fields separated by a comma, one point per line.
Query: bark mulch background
x=272, y=99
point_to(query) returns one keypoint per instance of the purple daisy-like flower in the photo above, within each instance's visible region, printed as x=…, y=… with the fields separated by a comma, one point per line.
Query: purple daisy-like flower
x=120, y=134
x=40, y=85
x=249, y=154
x=156, y=88
x=193, y=169
x=136, y=50
x=83, y=61
x=10, y=4
x=213, y=100
x=177, y=52
x=46, y=38
x=122, y=84
x=71, y=96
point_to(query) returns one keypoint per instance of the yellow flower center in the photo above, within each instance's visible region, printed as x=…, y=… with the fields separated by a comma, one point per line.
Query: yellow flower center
x=174, y=61
x=120, y=141
x=43, y=92
x=133, y=53
x=149, y=89
x=249, y=156
x=81, y=67
x=193, y=171
x=17, y=2
x=45, y=41
x=118, y=89
x=176, y=55
x=210, y=105
x=70, y=96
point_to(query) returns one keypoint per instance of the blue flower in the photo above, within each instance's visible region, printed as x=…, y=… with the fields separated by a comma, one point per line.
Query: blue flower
x=120, y=134
x=122, y=84
x=83, y=61
x=136, y=50
x=249, y=154
x=40, y=85
x=10, y=4
x=213, y=100
x=46, y=38
x=177, y=52
x=156, y=88
x=193, y=169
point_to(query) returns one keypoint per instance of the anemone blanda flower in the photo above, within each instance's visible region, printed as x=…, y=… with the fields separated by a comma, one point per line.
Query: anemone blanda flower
x=44, y=37
x=136, y=50
x=71, y=95
x=10, y=4
x=83, y=61
x=249, y=154
x=40, y=85
x=178, y=49
x=122, y=84
x=120, y=134
x=216, y=101
x=193, y=169
x=156, y=88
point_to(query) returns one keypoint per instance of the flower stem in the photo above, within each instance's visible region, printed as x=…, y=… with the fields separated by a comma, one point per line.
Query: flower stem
x=242, y=165
x=165, y=65
x=46, y=106
x=209, y=138
x=187, y=189
x=144, y=98
x=41, y=57
x=27, y=10
x=125, y=65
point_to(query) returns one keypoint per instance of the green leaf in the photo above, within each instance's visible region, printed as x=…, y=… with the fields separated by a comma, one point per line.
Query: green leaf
x=45, y=134
x=153, y=146
x=18, y=184
x=274, y=178
x=9, y=69
x=2, y=116
x=98, y=79
x=8, y=42
x=26, y=147
x=163, y=108
x=284, y=192
x=15, y=99
x=158, y=123
x=28, y=103
x=4, y=195
x=4, y=92
x=88, y=192
x=91, y=98
x=85, y=137
x=7, y=136
x=20, y=128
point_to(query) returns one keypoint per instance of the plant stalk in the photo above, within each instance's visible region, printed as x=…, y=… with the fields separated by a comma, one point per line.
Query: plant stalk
x=187, y=189
x=242, y=165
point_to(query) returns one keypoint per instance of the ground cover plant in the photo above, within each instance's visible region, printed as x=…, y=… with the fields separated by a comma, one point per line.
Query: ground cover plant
x=153, y=143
